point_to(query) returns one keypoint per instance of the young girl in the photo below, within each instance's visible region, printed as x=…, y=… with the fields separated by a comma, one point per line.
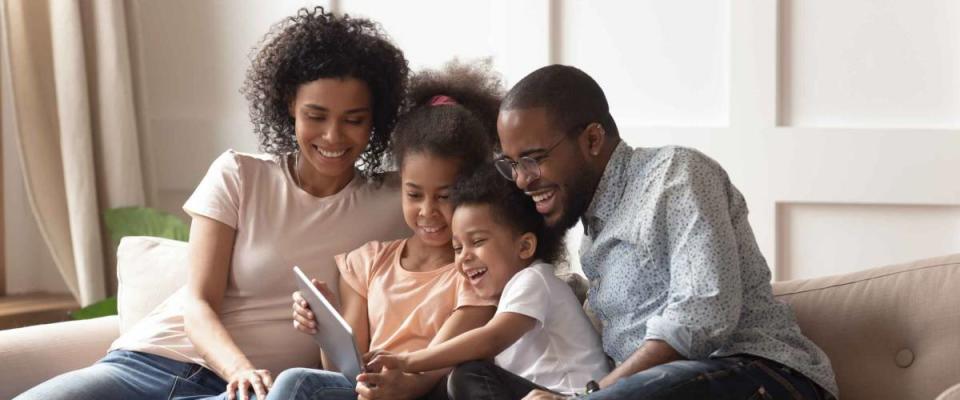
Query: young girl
x=540, y=337
x=405, y=295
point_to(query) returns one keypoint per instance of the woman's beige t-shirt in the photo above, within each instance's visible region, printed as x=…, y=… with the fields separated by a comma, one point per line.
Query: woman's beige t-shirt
x=278, y=226
x=406, y=308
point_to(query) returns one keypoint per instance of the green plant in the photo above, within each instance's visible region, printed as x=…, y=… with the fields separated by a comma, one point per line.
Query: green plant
x=133, y=221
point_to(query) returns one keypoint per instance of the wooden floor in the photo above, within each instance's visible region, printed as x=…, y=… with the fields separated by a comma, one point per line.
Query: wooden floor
x=21, y=310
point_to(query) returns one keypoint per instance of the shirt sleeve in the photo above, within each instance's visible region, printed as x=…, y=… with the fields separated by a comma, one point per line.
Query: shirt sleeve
x=219, y=192
x=705, y=294
x=526, y=294
x=356, y=266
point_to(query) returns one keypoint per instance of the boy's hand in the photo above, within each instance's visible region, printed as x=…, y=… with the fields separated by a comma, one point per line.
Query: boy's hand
x=385, y=359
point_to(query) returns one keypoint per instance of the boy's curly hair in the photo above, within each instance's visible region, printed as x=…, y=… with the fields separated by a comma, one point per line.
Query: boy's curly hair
x=465, y=131
x=509, y=207
x=312, y=45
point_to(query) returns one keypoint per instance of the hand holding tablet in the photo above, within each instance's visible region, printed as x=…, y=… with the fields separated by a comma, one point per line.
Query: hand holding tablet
x=333, y=334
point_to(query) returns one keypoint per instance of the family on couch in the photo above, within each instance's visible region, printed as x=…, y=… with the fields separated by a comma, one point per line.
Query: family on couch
x=450, y=288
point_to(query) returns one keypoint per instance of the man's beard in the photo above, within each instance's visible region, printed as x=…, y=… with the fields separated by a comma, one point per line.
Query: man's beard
x=579, y=193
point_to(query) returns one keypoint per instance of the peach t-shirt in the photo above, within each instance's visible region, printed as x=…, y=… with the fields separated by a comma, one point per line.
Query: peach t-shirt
x=406, y=308
x=278, y=226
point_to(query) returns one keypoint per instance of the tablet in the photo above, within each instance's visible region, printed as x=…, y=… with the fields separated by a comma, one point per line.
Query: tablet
x=333, y=333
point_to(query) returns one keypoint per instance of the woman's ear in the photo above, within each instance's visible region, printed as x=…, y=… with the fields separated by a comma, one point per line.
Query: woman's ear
x=528, y=245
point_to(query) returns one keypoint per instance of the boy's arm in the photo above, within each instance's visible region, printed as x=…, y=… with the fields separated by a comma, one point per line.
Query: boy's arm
x=481, y=343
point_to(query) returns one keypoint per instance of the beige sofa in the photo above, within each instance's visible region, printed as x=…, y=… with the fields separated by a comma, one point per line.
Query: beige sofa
x=892, y=332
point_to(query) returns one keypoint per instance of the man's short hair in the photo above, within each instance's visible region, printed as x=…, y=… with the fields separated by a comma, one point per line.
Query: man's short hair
x=571, y=97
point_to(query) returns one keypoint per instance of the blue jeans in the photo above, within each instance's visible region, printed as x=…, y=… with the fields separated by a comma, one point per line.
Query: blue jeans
x=132, y=375
x=316, y=384
x=307, y=384
x=728, y=378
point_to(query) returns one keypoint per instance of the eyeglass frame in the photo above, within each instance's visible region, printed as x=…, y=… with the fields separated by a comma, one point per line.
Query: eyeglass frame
x=533, y=160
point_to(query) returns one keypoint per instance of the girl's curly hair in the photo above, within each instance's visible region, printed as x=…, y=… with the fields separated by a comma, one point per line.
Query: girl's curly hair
x=315, y=44
x=466, y=130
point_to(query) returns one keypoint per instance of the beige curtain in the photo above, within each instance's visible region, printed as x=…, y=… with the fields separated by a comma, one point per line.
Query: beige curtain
x=75, y=117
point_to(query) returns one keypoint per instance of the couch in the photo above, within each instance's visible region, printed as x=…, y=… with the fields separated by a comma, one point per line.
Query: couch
x=891, y=332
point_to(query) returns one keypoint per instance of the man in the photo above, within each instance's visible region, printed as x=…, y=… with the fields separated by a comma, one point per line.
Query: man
x=677, y=280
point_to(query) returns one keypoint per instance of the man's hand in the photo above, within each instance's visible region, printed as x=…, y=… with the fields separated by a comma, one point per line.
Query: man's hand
x=543, y=395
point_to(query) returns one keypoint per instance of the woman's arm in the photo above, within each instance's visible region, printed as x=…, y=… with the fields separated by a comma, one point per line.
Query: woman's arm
x=482, y=343
x=209, y=254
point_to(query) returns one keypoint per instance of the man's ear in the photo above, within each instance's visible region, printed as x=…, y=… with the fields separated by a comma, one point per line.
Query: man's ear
x=528, y=245
x=593, y=137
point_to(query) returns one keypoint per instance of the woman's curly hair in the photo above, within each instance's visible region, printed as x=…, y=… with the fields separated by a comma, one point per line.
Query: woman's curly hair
x=315, y=44
x=467, y=130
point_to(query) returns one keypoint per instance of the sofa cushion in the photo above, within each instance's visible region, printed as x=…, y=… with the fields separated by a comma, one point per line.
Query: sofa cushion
x=891, y=332
x=149, y=269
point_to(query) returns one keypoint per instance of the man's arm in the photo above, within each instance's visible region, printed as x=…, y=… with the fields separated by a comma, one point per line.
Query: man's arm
x=705, y=291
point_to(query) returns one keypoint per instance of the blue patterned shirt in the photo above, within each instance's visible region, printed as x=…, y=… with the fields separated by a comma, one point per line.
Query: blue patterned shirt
x=670, y=256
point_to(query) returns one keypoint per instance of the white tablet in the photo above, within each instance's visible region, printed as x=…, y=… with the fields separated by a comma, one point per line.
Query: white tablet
x=333, y=333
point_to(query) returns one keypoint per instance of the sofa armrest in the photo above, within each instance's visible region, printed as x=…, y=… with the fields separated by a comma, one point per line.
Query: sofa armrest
x=953, y=393
x=35, y=354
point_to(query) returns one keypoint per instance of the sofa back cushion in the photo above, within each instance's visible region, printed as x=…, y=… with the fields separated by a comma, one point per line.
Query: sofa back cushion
x=891, y=332
x=149, y=269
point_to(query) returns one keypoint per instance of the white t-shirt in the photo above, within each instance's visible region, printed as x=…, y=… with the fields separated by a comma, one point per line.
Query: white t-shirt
x=563, y=351
x=278, y=225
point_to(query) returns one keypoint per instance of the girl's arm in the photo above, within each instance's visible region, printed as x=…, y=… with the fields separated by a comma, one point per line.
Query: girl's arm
x=353, y=308
x=209, y=253
x=397, y=384
x=482, y=343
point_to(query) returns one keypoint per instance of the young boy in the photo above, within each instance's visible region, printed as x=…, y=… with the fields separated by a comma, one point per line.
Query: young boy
x=540, y=337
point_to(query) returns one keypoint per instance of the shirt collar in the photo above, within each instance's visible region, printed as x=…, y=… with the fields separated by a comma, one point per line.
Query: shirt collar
x=608, y=190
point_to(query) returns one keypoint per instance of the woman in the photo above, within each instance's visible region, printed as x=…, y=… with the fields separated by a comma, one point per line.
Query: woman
x=324, y=93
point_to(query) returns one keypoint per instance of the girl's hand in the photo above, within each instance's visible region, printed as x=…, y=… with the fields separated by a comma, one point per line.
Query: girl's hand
x=243, y=380
x=303, y=319
x=385, y=359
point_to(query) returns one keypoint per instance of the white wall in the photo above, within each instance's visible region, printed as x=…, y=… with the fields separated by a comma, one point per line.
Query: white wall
x=837, y=120
x=825, y=114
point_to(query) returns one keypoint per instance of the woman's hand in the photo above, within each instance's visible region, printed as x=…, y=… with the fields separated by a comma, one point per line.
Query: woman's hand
x=303, y=319
x=244, y=379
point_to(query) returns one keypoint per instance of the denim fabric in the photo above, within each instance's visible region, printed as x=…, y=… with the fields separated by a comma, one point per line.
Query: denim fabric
x=482, y=380
x=307, y=383
x=132, y=375
x=315, y=384
x=727, y=378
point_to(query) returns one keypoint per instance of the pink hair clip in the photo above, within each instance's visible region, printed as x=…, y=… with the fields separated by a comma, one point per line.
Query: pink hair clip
x=442, y=100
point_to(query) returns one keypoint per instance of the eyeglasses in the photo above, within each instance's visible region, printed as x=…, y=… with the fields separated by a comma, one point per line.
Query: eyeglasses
x=530, y=166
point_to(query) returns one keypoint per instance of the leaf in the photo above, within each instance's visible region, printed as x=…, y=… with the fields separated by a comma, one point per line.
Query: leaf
x=101, y=308
x=144, y=221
